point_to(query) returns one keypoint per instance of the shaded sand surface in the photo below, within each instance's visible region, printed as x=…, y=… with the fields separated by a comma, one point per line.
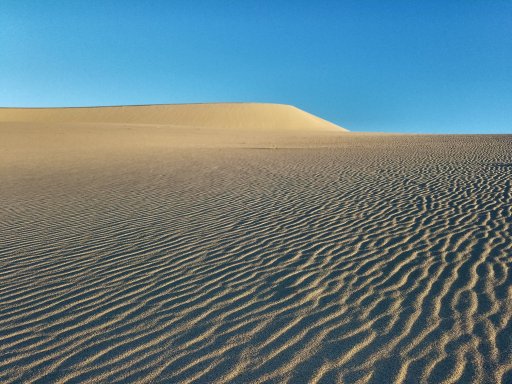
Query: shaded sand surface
x=142, y=253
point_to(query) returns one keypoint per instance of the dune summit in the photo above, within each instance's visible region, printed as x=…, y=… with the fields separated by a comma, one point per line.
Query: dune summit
x=249, y=243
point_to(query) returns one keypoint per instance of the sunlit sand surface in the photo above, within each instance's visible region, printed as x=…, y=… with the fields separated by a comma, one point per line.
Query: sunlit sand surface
x=249, y=243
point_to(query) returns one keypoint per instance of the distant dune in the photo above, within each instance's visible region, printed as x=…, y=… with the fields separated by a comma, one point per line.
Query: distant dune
x=242, y=116
x=249, y=243
x=54, y=137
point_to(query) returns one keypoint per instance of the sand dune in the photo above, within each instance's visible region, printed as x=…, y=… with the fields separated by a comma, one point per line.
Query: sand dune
x=322, y=257
x=52, y=137
x=239, y=116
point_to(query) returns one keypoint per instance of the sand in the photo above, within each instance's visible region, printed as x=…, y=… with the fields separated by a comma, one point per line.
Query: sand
x=171, y=247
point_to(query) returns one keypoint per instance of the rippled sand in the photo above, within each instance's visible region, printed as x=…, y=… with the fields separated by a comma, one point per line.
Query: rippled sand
x=129, y=256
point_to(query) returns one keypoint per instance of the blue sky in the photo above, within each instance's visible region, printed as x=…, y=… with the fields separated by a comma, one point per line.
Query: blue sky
x=396, y=66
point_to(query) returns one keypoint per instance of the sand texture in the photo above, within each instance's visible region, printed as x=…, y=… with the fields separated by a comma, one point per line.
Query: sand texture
x=159, y=249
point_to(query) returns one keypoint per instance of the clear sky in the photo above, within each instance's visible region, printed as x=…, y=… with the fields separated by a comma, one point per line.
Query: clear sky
x=383, y=65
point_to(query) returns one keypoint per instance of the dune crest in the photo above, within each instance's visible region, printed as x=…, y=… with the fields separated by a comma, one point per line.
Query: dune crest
x=214, y=115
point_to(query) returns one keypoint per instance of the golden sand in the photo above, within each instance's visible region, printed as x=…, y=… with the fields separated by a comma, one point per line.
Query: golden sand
x=235, y=243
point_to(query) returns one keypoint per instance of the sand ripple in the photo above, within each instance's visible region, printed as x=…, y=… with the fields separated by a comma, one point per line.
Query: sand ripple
x=370, y=260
